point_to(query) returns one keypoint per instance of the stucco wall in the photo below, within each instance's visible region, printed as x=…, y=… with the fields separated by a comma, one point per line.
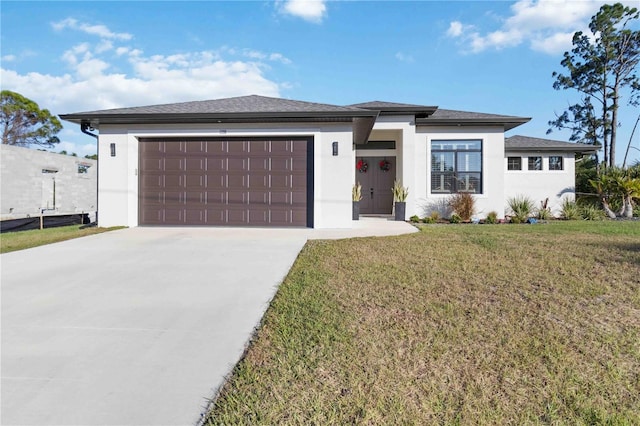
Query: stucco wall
x=538, y=185
x=118, y=196
x=492, y=197
x=26, y=189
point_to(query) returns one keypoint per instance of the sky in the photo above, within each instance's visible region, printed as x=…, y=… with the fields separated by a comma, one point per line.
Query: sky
x=483, y=56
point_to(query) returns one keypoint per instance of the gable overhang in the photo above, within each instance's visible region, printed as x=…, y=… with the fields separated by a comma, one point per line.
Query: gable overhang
x=507, y=123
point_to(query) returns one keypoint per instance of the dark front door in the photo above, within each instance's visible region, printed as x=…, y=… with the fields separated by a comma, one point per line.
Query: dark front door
x=377, y=184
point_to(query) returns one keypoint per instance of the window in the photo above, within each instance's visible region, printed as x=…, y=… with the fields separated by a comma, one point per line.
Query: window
x=535, y=163
x=83, y=168
x=555, y=162
x=514, y=163
x=456, y=166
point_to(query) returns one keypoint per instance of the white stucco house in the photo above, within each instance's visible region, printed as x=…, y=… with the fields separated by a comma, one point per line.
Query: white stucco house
x=260, y=161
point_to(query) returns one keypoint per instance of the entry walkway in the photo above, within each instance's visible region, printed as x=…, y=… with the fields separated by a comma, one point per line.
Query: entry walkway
x=139, y=326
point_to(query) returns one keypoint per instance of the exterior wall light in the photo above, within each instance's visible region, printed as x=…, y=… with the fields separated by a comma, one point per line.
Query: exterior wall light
x=113, y=149
x=334, y=148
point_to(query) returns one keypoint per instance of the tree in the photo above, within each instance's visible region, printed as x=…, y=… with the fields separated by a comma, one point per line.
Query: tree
x=24, y=123
x=617, y=183
x=600, y=66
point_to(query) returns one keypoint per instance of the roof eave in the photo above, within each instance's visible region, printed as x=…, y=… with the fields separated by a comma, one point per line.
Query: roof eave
x=508, y=124
x=577, y=150
x=97, y=119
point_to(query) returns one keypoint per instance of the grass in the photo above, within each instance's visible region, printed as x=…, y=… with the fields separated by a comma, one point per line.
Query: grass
x=12, y=241
x=487, y=324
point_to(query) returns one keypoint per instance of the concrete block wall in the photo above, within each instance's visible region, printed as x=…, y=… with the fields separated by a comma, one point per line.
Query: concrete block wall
x=28, y=178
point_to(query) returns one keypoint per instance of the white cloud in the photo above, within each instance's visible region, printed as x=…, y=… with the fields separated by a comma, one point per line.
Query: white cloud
x=309, y=10
x=455, y=29
x=546, y=25
x=404, y=58
x=98, y=30
x=9, y=58
x=90, y=83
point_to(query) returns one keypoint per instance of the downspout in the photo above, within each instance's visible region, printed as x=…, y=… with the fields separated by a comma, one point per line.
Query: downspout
x=85, y=127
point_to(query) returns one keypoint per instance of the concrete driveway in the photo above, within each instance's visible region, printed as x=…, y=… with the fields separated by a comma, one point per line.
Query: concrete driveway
x=138, y=326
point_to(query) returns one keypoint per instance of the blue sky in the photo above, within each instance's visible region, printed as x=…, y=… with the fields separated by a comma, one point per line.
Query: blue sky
x=486, y=56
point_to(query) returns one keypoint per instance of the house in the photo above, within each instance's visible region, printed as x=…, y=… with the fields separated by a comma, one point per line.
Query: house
x=35, y=182
x=261, y=161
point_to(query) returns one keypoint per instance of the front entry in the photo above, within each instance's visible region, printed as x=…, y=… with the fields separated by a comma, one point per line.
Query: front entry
x=376, y=175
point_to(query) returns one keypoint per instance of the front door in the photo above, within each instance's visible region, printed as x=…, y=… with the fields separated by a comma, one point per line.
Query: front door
x=376, y=179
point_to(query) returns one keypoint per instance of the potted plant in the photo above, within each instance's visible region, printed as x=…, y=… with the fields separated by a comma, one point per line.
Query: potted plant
x=356, y=196
x=400, y=194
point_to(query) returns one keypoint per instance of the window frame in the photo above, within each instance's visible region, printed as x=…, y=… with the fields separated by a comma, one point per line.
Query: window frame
x=560, y=163
x=529, y=163
x=456, y=174
x=509, y=168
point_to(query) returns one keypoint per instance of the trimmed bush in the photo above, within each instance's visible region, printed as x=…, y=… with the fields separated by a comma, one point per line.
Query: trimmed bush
x=463, y=205
x=521, y=208
x=570, y=210
x=492, y=218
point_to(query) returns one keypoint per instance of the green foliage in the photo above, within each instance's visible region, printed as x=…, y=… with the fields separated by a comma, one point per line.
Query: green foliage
x=400, y=193
x=492, y=217
x=544, y=213
x=414, y=219
x=616, y=183
x=92, y=156
x=599, y=67
x=591, y=212
x=463, y=204
x=521, y=207
x=570, y=210
x=586, y=170
x=455, y=218
x=24, y=123
x=356, y=192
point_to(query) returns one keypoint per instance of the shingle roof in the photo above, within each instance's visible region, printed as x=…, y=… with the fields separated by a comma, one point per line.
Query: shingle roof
x=240, y=104
x=527, y=143
x=466, y=118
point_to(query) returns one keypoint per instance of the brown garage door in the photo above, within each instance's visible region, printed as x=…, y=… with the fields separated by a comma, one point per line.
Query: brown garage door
x=235, y=182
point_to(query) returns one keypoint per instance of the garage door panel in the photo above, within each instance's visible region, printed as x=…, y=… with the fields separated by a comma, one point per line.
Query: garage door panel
x=237, y=215
x=173, y=215
x=195, y=164
x=173, y=181
x=195, y=216
x=174, y=164
x=195, y=181
x=237, y=147
x=224, y=182
x=152, y=164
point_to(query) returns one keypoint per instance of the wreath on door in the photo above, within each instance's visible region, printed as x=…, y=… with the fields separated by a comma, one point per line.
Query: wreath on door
x=385, y=165
x=362, y=166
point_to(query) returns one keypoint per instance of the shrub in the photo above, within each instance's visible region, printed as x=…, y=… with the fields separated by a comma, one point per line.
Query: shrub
x=544, y=212
x=591, y=212
x=570, y=210
x=414, y=219
x=429, y=219
x=463, y=205
x=455, y=218
x=435, y=216
x=492, y=217
x=521, y=208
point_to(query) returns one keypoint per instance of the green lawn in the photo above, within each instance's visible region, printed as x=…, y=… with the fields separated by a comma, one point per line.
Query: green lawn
x=12, y=241
x=468, y=324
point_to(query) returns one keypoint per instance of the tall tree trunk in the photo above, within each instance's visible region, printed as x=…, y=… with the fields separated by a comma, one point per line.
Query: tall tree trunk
x=628, y=207
x=607, y=209
x=614, y=124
